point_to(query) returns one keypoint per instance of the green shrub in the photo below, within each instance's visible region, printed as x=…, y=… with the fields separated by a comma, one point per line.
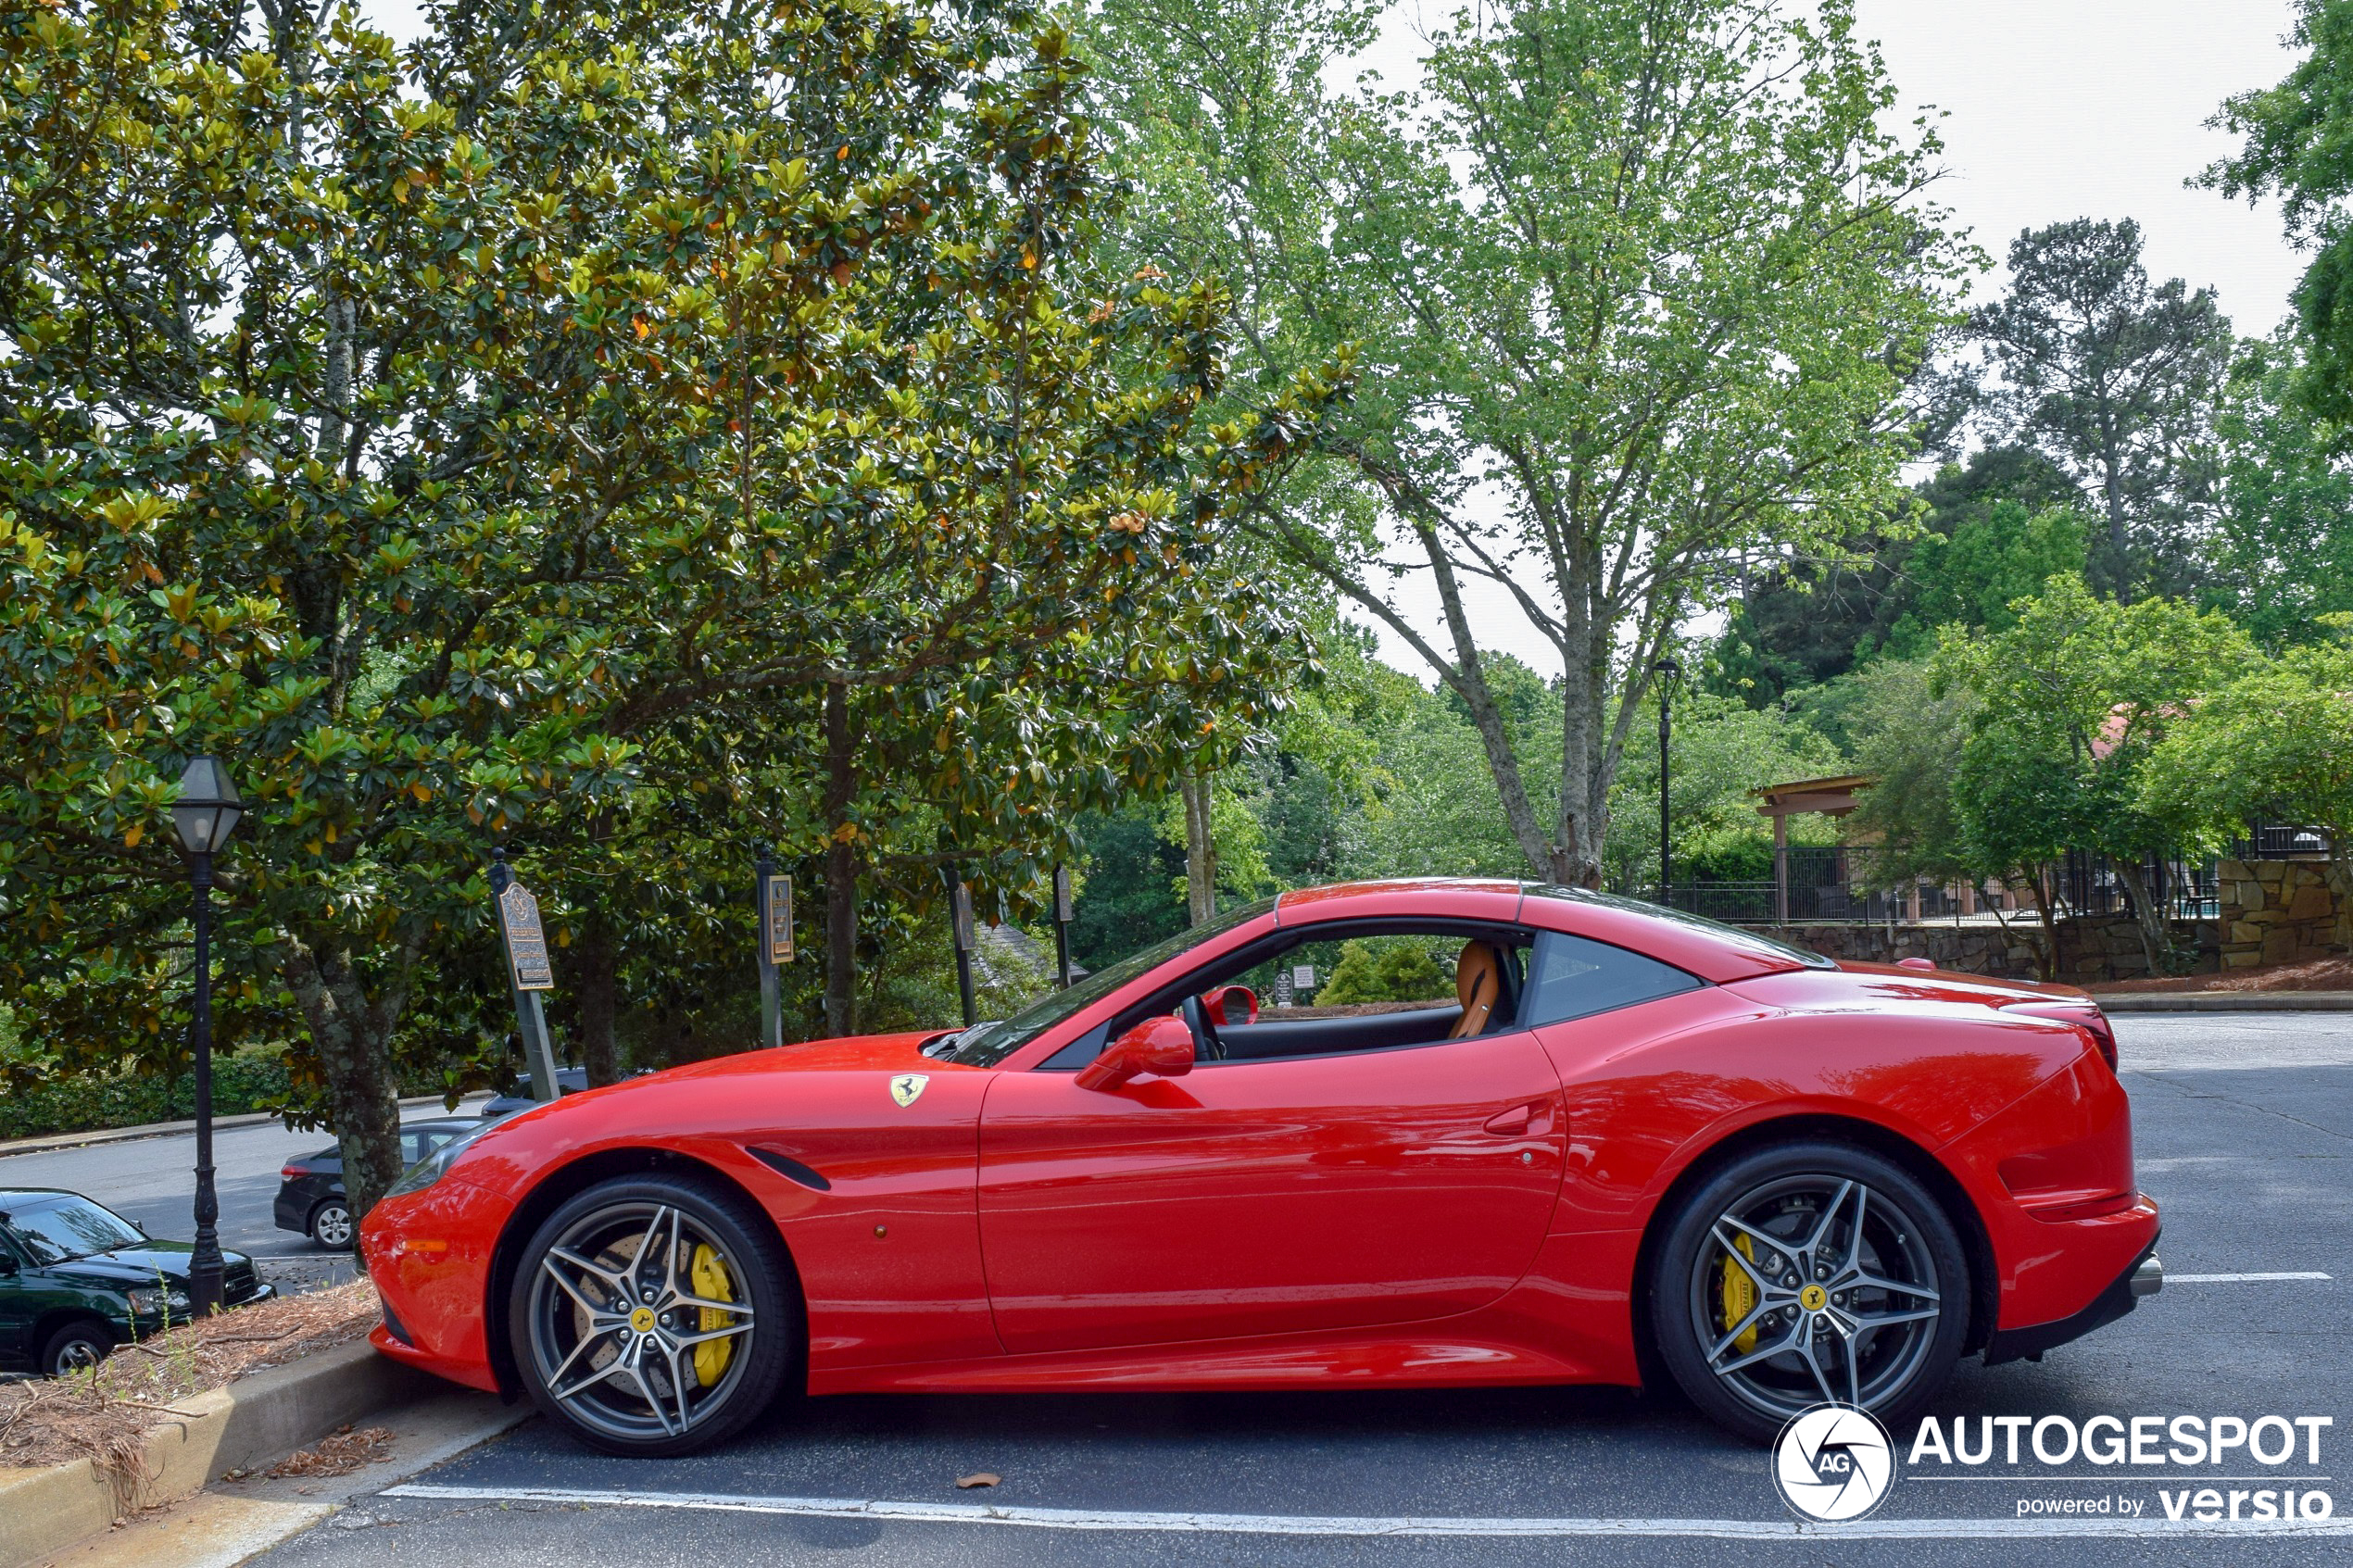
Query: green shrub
x=1395, y=969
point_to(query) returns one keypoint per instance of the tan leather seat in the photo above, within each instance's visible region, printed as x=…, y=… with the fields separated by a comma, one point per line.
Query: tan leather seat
x=1479, y=985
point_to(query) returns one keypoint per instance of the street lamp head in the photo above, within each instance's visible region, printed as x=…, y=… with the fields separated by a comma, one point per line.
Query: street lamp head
x=208, y=810
x=1668, y=667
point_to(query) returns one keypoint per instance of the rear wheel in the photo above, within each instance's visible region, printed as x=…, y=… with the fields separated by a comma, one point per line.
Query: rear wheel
x=1808, y=1274
x=75, y=1347
x=330, y=1225
x=654, y=1315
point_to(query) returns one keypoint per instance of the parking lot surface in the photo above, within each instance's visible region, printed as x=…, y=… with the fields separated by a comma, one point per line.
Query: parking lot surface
x=153, y=1181
x=2245, y=1124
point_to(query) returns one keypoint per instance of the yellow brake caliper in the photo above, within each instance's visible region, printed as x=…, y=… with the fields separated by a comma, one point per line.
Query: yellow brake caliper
x=710, y=1283
x=1740, y=1294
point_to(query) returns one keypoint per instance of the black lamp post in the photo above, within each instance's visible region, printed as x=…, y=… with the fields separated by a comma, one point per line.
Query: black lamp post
x=204, y=817
x=1666, y=670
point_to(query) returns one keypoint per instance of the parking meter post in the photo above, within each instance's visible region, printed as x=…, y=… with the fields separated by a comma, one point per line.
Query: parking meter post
x=527, y=973
x=772, y=1011
x=1062, y=925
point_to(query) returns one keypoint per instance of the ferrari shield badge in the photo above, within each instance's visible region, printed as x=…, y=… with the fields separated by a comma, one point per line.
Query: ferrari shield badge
x=907, y=1088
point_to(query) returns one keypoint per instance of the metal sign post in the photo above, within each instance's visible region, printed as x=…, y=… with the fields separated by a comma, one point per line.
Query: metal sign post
x=961, y=909
x=528, y=972
x=772, y=898
x=1062, y=925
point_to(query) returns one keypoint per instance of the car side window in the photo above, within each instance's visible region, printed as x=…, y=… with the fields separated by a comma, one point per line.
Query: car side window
x=412, y=1148
x=1574, y=977
x=1350, y=991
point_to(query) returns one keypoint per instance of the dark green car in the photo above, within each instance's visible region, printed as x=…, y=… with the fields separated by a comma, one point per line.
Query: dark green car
x=77, y=1279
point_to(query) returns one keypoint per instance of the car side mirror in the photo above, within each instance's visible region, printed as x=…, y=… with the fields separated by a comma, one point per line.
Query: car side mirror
x=1158, y=1047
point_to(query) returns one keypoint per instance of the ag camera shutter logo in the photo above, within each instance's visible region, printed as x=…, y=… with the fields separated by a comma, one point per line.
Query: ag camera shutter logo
x=1833, y=1463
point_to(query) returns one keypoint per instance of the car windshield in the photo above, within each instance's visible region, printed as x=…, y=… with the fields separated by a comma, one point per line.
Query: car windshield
x=59, y=1230
x=986, y=1045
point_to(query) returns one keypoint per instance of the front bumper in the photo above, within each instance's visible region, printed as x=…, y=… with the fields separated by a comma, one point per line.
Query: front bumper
x=2144, y=1276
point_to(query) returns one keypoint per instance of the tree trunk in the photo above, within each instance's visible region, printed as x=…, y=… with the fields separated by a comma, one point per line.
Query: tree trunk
x=2149, y=914
x=2050, y=925
x=842, y=869
x=593, y=982
x=1201, y=850
x=353, y=1040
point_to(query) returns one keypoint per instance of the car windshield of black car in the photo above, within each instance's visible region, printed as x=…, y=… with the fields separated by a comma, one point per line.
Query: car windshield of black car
x=59, y=1230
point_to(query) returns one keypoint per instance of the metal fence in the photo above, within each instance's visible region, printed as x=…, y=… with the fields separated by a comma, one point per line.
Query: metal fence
x=1835, y=886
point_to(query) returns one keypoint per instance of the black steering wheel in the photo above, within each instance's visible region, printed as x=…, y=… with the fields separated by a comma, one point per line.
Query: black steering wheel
x=1206, y=1045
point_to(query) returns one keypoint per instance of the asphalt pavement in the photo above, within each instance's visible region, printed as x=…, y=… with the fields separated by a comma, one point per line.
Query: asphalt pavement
x=153, y=1181
x=2245, y=1124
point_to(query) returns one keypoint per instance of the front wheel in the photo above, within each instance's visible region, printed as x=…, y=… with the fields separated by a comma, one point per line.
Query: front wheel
x=654, y=1315
x=1810, y=1273
x=76, y=1346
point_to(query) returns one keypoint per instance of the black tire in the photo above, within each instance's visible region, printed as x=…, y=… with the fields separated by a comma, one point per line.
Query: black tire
x=330, y=1225
x=1881, y=1326
x=77, y=1345
x=610, y=1311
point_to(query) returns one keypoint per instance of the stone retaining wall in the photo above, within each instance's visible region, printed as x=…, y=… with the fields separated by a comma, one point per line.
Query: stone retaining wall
x=2277, y=911
x=2104, y=949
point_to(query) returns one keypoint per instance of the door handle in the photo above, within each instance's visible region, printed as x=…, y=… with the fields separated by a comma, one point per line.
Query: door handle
x=1511, y=1123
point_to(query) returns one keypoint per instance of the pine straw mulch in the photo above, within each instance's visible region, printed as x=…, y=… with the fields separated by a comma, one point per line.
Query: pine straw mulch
x=104, y=1414
x=2333, y=974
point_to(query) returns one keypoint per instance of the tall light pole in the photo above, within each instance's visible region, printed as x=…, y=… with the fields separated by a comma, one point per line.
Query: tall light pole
x=1666, y=670
x=204, y=817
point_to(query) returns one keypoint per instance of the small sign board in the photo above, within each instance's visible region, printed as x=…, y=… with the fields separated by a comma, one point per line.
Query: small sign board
x=962, y=910
x=1304, y=977
x=526, y=942
x=1062, y=895
x=776, y=910
x=1283, y=994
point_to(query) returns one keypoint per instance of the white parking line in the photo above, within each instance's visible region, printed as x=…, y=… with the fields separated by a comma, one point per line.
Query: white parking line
x=2240, y=1279
x=1401, y=1525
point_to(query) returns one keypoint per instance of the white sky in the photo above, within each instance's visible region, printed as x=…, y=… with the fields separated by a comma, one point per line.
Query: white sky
x=2052, y=109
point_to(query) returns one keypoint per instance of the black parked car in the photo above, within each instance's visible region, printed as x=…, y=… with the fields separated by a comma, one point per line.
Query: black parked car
x=569, y=1081
x=77, y=1279
x=310, y=1195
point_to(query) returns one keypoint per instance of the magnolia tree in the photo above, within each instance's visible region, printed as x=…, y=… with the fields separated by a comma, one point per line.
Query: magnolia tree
x=530, y=436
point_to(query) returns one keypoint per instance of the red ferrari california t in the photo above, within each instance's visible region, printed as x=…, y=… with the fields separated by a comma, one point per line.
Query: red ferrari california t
x=1609, y=1144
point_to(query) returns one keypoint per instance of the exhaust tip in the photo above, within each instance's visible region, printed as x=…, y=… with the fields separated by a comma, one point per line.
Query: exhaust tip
x=2149, y=1278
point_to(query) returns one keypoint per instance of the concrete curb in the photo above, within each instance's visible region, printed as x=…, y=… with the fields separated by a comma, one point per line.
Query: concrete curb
x=2225, y=1001
x=164, y=1129
x=257, y=1418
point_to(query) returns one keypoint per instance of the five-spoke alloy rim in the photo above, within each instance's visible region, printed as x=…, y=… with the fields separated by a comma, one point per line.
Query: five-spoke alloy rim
x=640, y=1324
x=1813, y=1289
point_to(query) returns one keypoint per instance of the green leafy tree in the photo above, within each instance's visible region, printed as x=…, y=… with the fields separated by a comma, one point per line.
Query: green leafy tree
x=2116, y=382
x=1639, y=289
x=2072, y=700
x=2298, y=148
x=2274, y=745
x=2281, y=558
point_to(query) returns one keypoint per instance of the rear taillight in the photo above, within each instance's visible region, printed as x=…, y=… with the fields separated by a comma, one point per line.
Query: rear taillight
x=292, y=1173
x=2085, y=1015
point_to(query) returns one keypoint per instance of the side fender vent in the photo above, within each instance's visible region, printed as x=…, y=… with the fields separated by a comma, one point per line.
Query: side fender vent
x=790, y=1169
